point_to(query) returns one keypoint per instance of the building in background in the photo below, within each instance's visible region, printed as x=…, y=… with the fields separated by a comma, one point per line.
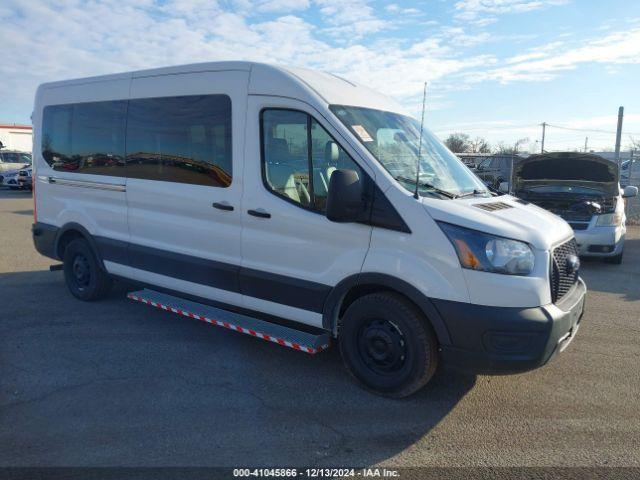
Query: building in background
x=16, y=137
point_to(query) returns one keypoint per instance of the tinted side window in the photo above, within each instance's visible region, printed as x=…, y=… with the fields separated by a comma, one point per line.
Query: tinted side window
x=85, y=137
x=299, y=156
x=180, y=139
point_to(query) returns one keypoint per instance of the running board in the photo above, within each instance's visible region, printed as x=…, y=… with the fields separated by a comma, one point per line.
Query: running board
x=271, y=332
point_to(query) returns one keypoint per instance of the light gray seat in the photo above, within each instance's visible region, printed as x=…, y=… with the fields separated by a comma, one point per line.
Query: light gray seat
x=281, y=179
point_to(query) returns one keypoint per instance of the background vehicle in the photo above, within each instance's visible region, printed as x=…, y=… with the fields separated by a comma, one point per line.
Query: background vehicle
x=630, y=172
x=11, y=162
x=496, y=169
x=25, y=178
x=299, y=206
x=584, y=190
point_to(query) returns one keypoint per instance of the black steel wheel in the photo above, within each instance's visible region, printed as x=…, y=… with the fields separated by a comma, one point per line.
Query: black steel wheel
x=388, y=345
x=85, y=278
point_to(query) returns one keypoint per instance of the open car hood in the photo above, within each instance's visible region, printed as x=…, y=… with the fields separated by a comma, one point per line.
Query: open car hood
x=567, y=169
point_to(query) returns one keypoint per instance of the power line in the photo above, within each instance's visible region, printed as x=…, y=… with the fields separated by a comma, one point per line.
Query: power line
x=589, y=130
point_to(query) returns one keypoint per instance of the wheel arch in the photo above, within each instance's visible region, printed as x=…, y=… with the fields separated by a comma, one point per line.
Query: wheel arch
x=71, y=231
x=355, y=286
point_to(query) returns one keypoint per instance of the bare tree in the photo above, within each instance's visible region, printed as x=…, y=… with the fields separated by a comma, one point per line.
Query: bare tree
x=634, y=143
x=479, y=145
x=457, y=142
x=514, y=149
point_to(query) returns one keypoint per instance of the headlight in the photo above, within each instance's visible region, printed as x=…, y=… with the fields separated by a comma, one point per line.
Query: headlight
x=489, y=253
x=609, y=220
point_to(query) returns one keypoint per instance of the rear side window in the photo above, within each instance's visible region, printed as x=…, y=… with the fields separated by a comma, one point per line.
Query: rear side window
x=85, y=137
x=180, y=139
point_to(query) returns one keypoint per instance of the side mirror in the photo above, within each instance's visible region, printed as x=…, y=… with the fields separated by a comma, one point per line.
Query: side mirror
x=504, y=187
x=344, y=200
x=629, y=191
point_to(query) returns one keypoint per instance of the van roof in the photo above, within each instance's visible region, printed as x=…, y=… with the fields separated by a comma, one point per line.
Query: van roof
x=304, y=84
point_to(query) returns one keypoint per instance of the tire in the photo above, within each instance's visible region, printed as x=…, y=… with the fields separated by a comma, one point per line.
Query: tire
x=617, y=260
x=85, y=279
x=387, y=345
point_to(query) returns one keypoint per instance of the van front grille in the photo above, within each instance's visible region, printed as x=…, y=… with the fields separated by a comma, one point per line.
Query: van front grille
x=561, y=276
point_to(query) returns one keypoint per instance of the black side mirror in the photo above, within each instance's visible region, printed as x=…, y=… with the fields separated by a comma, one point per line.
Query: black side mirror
x=345, y=200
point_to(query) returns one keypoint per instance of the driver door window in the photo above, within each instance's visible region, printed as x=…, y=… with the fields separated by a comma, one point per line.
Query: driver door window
x=299, y=156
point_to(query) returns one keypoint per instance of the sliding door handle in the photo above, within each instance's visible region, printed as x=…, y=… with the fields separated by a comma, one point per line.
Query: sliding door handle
x=259, y=213
x=223, y=206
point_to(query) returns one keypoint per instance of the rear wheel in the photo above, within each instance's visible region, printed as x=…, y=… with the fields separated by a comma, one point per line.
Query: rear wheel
x=388, y=345
x=85, y=279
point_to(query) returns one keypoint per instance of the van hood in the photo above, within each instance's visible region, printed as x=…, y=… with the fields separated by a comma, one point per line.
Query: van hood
x=505, y=216
x=566, y=169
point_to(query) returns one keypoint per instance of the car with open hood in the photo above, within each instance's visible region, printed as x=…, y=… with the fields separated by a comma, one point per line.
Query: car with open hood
x=584, y=190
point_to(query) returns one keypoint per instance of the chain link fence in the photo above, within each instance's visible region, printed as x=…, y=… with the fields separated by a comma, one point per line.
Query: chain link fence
x=630, y=175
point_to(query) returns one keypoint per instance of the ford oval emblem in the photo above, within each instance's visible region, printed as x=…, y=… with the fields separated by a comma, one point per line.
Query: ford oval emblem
x=572, y=264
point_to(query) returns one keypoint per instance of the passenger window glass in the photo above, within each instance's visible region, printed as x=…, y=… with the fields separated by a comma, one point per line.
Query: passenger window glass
x=327, y=157
x=286, y=154
x=180, y=139
x=299, y=157
x=85, y=137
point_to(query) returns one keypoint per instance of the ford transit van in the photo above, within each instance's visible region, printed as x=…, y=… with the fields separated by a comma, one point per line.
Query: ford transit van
x=301, y=208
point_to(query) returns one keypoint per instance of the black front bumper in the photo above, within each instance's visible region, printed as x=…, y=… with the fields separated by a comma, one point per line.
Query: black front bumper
x=500, y=340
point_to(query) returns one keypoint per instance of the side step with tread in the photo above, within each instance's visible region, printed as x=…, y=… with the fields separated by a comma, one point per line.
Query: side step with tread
x=271, y=332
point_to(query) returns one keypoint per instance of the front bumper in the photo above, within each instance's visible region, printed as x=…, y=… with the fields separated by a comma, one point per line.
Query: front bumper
x=500, y=340
x=24, y=181
x=600, y=241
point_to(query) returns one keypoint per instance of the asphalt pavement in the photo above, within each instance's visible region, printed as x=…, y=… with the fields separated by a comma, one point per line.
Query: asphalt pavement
x=116, y=383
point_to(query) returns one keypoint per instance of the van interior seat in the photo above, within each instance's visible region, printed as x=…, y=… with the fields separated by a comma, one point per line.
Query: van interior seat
x=277, y=150
x=280, y=174
x=282, y=179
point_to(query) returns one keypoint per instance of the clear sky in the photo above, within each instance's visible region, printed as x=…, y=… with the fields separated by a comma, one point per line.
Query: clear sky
x=496, y=68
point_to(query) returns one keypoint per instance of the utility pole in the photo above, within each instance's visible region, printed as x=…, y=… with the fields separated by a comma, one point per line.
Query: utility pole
x=619, y=134
x=586, y=140
x=544, y=127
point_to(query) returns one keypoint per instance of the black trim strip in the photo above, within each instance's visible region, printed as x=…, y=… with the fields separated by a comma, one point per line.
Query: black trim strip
x=268, y=286
x=185, y=267
x=113, y=250
x=290, y=291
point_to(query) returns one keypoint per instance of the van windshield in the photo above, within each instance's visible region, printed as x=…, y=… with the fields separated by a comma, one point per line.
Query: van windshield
x=393, y=139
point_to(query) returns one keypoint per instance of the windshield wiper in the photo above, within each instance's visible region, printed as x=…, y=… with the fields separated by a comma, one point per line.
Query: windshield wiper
x=474, y=192
x=444, y=193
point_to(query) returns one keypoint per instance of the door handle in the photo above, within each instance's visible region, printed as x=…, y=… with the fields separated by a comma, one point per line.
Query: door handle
x=259, y=213
x=222, y=206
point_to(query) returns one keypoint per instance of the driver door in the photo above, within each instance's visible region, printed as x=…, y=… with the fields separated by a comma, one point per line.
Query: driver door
x=292, y=254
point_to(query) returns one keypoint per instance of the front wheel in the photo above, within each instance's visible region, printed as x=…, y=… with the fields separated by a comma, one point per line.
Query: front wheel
x=85, y=279
x=388, y=345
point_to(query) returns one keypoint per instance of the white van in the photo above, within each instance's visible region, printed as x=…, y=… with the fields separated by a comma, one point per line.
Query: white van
x=282, y=203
